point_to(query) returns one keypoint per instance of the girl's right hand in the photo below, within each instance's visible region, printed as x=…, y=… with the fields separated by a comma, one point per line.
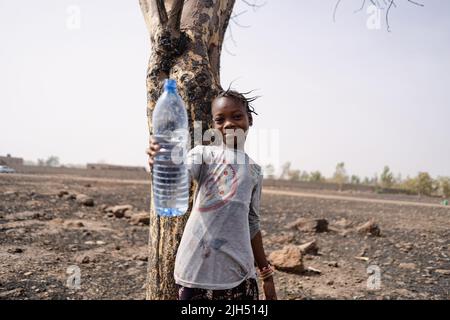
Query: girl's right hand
x=152, y=151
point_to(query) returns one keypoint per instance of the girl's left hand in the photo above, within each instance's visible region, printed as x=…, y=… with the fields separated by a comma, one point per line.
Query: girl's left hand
x=269, y=289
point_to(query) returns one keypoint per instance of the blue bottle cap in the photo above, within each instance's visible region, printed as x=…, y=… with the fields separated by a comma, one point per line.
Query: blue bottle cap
x=170, y=85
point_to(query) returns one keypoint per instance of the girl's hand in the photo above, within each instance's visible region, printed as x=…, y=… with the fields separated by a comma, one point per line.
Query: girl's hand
x=269, y=289
x=152, y=151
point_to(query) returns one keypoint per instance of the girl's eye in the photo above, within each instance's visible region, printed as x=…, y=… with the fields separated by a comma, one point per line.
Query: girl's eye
x=218, y=120
x=238, y=116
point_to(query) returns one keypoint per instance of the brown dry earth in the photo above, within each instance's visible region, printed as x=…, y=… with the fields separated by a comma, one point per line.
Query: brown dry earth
x=47, y=239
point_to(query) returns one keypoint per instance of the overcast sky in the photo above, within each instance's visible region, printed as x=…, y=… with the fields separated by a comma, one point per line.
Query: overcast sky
x=331, y=91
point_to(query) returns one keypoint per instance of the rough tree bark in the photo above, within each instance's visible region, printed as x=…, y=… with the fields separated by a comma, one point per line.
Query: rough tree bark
x=186, y=43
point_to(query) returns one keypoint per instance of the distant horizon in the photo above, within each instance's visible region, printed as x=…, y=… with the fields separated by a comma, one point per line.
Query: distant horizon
x=335, y=91
x=277, y=171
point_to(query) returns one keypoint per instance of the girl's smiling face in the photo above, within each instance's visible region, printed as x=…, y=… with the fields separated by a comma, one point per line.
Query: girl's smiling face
x=229, y=114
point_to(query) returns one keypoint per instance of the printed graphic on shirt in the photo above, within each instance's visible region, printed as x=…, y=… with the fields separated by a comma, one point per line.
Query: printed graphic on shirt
x=219, y=188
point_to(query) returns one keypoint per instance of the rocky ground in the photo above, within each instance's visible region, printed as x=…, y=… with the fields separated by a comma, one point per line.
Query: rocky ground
x=54, y=228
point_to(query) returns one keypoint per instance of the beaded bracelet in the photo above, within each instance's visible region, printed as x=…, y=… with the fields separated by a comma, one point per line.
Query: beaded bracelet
x=267, y=276
x=266, y=272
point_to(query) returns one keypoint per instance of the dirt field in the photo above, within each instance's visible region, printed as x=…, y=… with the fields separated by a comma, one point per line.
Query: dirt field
x=46, y=237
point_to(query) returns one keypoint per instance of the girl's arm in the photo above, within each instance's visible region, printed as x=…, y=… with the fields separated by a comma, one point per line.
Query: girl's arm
x=258, y=251
x=261, y=261
x=256, y=239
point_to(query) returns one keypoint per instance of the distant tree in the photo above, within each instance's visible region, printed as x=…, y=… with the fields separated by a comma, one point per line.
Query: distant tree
x=52, y=161
x=366, y=180
x=304, y=176
x=409, y=184
x=316, y=176
x=355, y=179
x=269, y=171
x=387, y=178
x=41, y=162
x=424, y=183
x=398, y=180
x=285, y=170
x=374, y=180
x=294, y=175
x=340, y=175
x=444, y=186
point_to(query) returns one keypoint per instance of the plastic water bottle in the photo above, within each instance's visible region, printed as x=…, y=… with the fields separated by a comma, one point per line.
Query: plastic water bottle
x=170, y=175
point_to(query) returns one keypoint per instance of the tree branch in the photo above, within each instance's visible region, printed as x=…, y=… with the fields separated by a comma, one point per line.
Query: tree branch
x=387, y=16
x=335, y=9
x=362, y=7
x=376, y=3
x=253, y=5
x=162, y=13
x=175, y=14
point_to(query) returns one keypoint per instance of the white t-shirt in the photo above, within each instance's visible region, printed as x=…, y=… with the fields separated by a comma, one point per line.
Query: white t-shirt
x=215, y=251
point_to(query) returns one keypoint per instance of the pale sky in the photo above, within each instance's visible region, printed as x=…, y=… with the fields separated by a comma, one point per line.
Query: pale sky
x=333, y=91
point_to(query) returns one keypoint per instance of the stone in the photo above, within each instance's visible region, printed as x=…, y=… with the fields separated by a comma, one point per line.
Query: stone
x=86, y=258
x=407, y=266
x=10, y=193
x=140, y=257
x=309, y=225
x=288, y=259
x=370, y=228
x=14, y=293
x=24, y=215
x=79, y=214
x=281, y=239
x=332, y=264
x=85, y=200
x=443, y=272
x=63, y=193
x=73, y=224
x=15, y=250
x=343, y=223
x=119, y=211
x=141, y=217
x=309, y=248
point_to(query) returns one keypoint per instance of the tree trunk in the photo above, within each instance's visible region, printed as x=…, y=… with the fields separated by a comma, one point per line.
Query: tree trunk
x=186, y=39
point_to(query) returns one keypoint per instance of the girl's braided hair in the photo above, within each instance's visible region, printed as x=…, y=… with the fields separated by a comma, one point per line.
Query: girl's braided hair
x=240, y=96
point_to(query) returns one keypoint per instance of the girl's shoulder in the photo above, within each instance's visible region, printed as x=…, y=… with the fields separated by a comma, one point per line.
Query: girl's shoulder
x=256, y=172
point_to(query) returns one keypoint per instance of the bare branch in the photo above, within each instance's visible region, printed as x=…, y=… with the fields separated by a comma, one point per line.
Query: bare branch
x=379, y=6
x=362, y=7
x=335, y=9
x=387, y=16
x=416, y=3
x=175, y=14
x=162, y=13
x=235, y=21
x=254, y=5
x=238, y=14
x=228, y=51
x=231, y=36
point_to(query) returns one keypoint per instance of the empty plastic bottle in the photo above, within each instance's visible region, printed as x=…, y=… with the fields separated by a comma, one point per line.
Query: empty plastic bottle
x=170, y=175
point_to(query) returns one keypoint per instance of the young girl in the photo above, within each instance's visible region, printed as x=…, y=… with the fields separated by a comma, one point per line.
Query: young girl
x=222, y=240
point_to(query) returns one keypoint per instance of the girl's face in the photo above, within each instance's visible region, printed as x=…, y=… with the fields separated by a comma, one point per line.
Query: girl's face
x=228, y=115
